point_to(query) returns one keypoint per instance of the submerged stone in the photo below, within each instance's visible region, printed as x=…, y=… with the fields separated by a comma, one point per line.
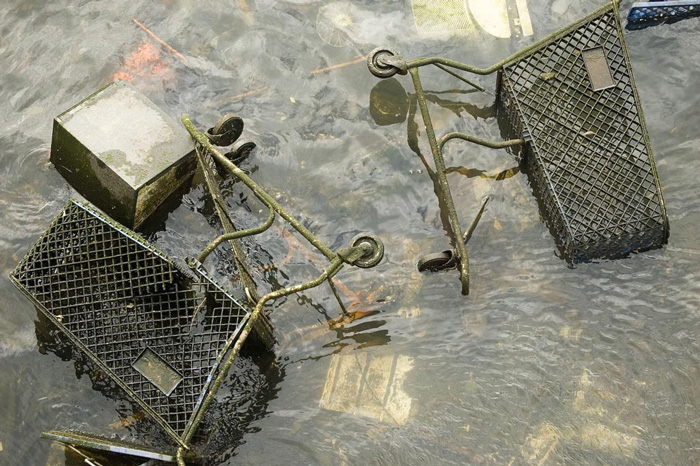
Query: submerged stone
x=122, y=153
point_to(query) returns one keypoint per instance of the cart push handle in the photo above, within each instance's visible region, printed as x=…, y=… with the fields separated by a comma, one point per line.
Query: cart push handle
x=385, y=62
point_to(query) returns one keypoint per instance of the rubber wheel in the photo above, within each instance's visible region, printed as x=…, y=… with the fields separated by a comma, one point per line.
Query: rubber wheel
x=376, y=67
x=240, y=152
x=437, y=261
x=226, y=131
x=374, y=256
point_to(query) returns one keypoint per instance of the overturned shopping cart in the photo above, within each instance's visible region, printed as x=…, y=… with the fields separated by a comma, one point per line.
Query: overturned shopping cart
x=166, y=333
x=570, y=110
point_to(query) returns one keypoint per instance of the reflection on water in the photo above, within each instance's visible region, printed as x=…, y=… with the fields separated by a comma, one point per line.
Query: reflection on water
x=541, y=364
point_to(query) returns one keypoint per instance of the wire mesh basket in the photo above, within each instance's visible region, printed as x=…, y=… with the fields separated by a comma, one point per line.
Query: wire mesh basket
x=158, y=332
x=587, y=150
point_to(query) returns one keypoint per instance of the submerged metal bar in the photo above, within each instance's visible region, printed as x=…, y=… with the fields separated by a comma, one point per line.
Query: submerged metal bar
x=102, y=444
x=257, y=189
x=86, y=459
x=456, y=230
x=239, y=234
x=470, y=231
x=337, y=297
x=226, y=222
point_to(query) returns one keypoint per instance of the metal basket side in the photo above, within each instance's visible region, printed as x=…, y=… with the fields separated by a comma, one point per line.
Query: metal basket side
x=508, y=117
x=512, y=126
x=18, y=275
x=224, y=305
x=643, y=122
x=589, y=156
x=92, y=279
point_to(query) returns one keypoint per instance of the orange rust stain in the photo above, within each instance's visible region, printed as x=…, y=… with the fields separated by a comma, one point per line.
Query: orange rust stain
x=122, y=76
x=348, y=319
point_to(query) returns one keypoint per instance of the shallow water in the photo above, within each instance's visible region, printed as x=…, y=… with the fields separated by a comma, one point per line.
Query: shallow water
x=541, y=364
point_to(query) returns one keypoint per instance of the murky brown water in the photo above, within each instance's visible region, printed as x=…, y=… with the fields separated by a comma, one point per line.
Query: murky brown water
x=542, y=364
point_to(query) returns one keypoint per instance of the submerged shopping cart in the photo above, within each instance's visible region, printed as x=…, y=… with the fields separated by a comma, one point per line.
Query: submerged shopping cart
x=570, y=111
x=165, y=332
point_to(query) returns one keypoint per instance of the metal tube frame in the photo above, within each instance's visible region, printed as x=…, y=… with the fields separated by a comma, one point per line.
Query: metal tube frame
x=337, y=260
x=352, y=255
x=399, y=65
x=259, y=192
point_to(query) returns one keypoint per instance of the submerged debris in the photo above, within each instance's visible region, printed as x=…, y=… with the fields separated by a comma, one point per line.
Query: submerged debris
x=597, y=418
x=368, y=385
x=539, y=447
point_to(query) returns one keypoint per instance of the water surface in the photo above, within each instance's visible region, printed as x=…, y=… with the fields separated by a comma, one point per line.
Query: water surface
x=541, y=364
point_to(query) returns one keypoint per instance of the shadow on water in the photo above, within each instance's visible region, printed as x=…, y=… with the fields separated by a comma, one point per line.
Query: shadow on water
x=363, y=334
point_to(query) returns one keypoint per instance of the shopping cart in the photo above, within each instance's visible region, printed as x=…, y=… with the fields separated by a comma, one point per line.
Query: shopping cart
x=163, y=331
x=570, y=111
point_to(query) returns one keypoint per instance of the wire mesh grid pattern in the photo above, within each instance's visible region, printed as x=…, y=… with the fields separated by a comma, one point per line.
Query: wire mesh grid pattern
x=654, y=12
x=587, y=150
x=117, y=298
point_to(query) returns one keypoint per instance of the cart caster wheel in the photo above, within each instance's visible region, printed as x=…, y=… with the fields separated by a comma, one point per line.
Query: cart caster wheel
x=437, y=261
x=226, y=131
x=384, y=62
x=372, y=257
x=240, y=152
